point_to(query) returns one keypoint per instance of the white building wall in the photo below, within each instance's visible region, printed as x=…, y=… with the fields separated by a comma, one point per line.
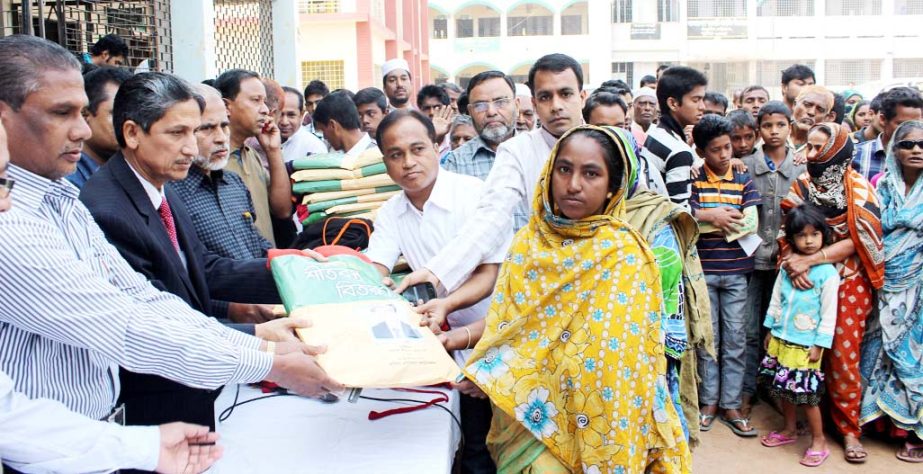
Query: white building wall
x=512, y=53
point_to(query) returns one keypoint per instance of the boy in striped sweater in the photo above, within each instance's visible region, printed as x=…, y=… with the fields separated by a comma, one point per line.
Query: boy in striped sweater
x=724, y=202
x=681, y=96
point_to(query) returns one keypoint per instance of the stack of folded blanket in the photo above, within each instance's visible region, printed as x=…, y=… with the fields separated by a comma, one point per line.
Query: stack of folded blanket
x=336, y=185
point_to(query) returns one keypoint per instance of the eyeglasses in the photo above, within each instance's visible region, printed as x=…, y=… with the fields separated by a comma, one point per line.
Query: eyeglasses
x=909, y=144
x=6, y=185
x=483, y=106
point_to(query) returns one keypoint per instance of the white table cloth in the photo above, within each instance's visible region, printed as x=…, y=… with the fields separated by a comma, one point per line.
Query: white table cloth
x=300, y=435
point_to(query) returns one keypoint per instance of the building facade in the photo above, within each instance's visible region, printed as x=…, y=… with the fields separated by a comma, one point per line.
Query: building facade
x=849, y=43
x=345, y=42
x=468, y=37
x=736, y=43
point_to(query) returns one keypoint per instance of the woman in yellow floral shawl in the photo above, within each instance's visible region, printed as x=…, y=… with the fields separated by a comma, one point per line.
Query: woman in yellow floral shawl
x=573, y=353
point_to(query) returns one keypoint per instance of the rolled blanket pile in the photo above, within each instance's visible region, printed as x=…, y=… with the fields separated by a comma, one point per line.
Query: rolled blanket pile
x=337, y=185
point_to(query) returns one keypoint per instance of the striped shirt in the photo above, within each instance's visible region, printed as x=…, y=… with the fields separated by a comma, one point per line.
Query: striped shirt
x=668, y=153
x=734, y=190
x=869, y=159
x=72, y=310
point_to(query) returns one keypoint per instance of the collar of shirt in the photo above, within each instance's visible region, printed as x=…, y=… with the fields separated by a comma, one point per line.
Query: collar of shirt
x=154, y=194
x=31, y=188
x=363, y=144
x=550, y=139
x=877, y=144
x=439, y=197
x=765, y=164
x=205, y=178
x=712, y=177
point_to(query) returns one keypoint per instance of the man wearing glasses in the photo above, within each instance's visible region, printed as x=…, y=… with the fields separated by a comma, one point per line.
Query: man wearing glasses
x=493, y=108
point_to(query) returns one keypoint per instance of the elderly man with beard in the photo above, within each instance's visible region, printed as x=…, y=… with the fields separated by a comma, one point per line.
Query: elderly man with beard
x=217, y=200
x=493, y=108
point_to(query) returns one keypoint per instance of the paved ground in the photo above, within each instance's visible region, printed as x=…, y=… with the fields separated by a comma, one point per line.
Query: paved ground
x=722, y=452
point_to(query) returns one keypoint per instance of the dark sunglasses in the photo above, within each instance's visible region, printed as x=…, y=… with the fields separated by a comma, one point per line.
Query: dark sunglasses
x=909, y=144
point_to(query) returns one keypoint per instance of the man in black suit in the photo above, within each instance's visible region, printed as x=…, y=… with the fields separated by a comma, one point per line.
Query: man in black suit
x=155, y=116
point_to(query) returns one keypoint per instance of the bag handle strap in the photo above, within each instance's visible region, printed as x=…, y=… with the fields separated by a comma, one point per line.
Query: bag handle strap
x=343, y=230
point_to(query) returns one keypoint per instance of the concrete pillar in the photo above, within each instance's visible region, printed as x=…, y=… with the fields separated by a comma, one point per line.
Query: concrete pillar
x=285, y=18
x=192, y=24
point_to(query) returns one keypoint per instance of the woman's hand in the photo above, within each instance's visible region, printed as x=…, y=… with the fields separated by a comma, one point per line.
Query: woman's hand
x=815, y=353
x=797, y=266
x=434, y=313
x=766, y=341
x=468, y=387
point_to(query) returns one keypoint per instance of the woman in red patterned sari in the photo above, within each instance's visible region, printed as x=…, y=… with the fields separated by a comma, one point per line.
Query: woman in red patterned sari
x=851, y=207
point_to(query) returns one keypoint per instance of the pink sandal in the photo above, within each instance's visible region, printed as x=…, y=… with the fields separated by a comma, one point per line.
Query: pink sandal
x=776, y=439
x=821, y=455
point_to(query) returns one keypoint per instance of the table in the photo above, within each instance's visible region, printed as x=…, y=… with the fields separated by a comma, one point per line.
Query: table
x=300, y=435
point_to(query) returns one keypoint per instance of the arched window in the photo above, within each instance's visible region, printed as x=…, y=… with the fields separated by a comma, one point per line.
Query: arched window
x=477, y=21
x=529, y=19
x=575, y=19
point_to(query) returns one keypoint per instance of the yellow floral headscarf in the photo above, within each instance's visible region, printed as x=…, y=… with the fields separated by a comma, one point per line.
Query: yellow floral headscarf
x=573, y=348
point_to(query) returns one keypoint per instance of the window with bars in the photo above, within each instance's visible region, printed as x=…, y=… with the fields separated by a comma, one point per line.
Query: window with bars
x=849, y=72
x=331, y=72
x=313, y=7
x=717, y=8
x=243, y=35
x=143, y=24
x=908, y=7
x=908, y=67
x=624, y=71
x=769, y=73
x=853, y=7
x=464, y=28
x=440, y=27
x=489, y=27
x=667, y=11
x=529, y=25
x=786, y=8
x=622, y=11
x=572, y=25
x=725, y=77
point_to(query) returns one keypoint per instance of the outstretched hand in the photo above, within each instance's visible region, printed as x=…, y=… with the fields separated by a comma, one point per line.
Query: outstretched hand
x=186, y=448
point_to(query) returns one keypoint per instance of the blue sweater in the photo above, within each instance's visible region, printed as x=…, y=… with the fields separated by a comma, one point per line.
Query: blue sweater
x=805, y=317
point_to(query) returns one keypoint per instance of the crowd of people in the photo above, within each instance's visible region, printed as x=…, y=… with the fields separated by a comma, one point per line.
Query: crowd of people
x=616, y=270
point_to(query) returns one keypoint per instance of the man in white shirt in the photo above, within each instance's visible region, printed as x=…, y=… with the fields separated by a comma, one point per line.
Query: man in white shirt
x=426, y=216
x=297, y=141
x=556, y=81
x=337, y=118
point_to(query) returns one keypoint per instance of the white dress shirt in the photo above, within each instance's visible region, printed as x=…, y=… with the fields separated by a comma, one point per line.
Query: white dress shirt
x=300, y=144
x=363, y=144
x=506, y=201
x=72, y=310
x=401, y=228
x=42, y=435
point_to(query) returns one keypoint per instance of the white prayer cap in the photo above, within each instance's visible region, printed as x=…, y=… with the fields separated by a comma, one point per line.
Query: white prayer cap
x=523, y=90
x=645, y=91
x=392, y=65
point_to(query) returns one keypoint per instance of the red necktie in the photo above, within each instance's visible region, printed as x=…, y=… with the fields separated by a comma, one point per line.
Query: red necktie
x=166, y=216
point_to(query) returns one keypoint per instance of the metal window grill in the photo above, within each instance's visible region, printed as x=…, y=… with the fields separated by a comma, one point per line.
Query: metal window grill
x=77, y=24
x=850, y=72
x=243, y=35
x=908, y=67
x=322, y=6
x=331, y=72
